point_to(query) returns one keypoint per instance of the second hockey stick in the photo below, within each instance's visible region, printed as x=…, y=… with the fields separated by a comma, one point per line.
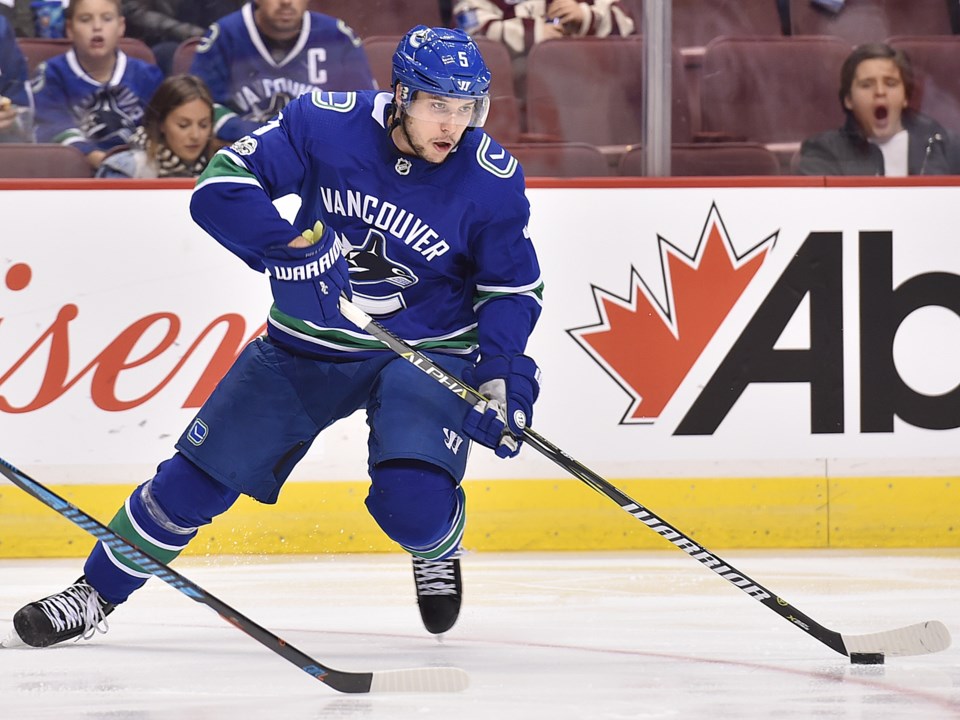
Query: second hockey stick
x=919, y=639
x=429, y=679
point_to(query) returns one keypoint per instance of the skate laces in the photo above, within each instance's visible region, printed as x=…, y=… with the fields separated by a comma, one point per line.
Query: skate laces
x=77, y=606
x=434, y=577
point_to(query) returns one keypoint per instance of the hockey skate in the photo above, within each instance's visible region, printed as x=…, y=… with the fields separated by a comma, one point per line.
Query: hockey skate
x=77, y=612
x=439, y=592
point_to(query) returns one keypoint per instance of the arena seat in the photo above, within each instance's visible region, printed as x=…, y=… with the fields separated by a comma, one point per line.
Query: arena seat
x=709, y=159
x=560, y=159
x=934, y=60
x=183, y=55
x=380, y=17
x=42, y=160
x=862, y=21
x=503, y=122
x=697, y=22
x=773, y=89
x=590, y=90
x=37, y=50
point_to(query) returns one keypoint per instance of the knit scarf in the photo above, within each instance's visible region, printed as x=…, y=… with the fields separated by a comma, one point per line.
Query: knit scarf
x=168, y=163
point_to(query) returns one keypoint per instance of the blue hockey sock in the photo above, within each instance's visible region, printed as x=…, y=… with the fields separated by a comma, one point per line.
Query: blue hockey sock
x=160, y=517
x=419, y=506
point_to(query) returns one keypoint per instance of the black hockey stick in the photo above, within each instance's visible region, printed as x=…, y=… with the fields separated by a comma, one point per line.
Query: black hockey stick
x=920, y=639
x=431, y=679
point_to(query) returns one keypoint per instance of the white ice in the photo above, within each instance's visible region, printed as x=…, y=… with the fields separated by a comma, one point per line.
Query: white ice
x=612, y=636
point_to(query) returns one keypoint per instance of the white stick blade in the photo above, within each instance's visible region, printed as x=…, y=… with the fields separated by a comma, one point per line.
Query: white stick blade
x=920, y=639
x=423, y=680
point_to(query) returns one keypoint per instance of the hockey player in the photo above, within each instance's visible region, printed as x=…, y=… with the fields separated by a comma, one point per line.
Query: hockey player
x=92, y=97
x=424, y=225
x=259, y=58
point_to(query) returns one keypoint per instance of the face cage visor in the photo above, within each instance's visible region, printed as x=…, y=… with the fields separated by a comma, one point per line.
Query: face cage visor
x=463, y=110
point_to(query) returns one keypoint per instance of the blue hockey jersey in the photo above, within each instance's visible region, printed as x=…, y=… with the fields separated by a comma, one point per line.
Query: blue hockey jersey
x=74, y=109
x=439, y=253
x=250, y=86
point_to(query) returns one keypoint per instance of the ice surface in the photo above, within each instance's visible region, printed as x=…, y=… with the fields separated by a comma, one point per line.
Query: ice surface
x=611, y=636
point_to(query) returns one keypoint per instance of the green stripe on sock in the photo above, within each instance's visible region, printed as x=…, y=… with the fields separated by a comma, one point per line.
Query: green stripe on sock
x=452, y=539
x=122, y=526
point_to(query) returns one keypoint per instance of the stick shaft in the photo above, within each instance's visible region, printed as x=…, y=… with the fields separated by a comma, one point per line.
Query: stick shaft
x=828, y=637
x=342, y=681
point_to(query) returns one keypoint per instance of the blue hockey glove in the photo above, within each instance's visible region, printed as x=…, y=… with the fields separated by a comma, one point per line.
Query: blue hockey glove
x=511, y=386
x=307, y=281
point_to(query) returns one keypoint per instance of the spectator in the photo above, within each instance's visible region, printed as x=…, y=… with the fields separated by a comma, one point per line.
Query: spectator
x=882, y=134
x=521, y=24
x=16, y=100
x=92, y=96
x=269, y=52
x=174, y=140
x=164, y=24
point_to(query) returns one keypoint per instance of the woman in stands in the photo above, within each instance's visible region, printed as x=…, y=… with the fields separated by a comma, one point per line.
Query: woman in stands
x=175, y=138
x=883, y=134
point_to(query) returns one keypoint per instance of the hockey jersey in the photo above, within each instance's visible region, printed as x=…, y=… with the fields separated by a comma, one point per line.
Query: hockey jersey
x=74, y=109
x=250, y=86
x=440, y=253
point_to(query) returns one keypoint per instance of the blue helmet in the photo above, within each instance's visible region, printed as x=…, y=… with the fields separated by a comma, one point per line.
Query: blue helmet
x=441, y=61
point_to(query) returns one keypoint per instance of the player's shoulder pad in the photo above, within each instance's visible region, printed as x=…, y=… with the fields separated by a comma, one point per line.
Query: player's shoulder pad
x=495, y=159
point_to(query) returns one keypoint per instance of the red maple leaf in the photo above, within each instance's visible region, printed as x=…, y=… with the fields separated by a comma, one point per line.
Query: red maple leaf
x=649, y=348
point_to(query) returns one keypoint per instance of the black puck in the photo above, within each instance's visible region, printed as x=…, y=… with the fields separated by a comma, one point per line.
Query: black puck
x=866, y=658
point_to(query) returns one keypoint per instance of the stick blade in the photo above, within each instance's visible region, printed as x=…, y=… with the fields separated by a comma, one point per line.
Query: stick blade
x=422, y=680
x=920, y=639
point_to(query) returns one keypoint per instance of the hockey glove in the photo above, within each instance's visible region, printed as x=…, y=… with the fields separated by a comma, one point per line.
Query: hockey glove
x=511, y=386
x=307, y=281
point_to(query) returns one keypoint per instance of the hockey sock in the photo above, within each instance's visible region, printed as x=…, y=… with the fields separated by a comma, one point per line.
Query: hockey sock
x=419, y=506
x=160, y=517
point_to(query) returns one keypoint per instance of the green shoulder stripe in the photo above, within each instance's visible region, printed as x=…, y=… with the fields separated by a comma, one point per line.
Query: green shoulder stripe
x=223, y=167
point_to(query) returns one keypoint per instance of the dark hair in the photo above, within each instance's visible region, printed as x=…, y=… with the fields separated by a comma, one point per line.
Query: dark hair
x=173, y=92
x=71, y=7
x=874, y=51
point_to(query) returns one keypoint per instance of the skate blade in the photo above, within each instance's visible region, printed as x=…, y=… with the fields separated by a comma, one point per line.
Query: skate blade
x=12, y=640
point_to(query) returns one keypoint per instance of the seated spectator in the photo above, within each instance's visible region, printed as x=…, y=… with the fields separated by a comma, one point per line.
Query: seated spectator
x=882, y=134
x=164, y=24
x=521, y=24
x=92, y=96
x=16, y=100
x=261, y=57
x=174, y=140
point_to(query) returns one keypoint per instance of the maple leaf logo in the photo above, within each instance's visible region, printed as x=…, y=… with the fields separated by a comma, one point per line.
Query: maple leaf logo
x=648, y=347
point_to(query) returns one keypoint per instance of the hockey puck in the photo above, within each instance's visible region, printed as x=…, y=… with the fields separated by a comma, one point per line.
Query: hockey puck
x=866, y=658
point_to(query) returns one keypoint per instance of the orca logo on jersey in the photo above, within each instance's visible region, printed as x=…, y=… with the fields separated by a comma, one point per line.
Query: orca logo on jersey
x=374, y=273
x=245, y=146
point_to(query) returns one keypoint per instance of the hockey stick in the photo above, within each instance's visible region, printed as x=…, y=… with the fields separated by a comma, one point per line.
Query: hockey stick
x=920, y=639
x=431, y=679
